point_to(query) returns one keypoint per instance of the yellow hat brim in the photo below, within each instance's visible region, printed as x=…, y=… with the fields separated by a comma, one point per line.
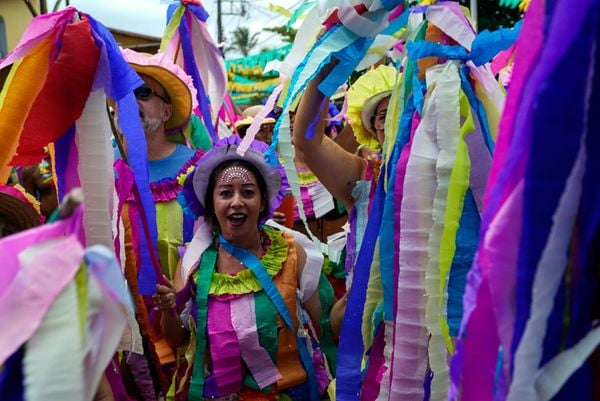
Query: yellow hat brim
x=364, y=95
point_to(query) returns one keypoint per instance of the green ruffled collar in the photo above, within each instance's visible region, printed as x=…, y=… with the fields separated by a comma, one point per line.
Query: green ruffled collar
x=245, y=282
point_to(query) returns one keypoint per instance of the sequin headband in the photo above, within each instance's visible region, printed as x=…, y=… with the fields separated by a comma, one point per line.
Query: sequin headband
x=233, y=172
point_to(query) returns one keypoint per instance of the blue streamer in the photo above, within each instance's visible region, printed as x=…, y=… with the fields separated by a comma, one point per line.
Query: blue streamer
x=254, y=264
x=397, y=23
x=348, y=58
x=418, y=93
x=584, y=285
x=11, y=377
x=387, y=243
x=425, y=48
x=467, y=238
x=129, y=120
x=171, y=10
x=488, y=44
x=124, y=80
x=391, y=4
x=271, y=153
x=310, y=130
x=351, y=349
x=198, y=11
x=478, y=107
x=192, y=69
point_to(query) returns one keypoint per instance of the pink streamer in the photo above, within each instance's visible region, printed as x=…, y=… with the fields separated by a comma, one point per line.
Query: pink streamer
x=28, y=289
x=500, y=252
x=123, y=186
x=255, y=126
x=481, y=163
x=528, y=47
x=230, y=109
x=258, y=360
x=211, y=65
x=480, y=350
x=38, y=30
x=502, y=59
x=224, y=347
x=394, y=359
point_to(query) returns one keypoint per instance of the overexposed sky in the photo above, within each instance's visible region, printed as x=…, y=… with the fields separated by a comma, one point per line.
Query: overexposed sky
x=149, y=17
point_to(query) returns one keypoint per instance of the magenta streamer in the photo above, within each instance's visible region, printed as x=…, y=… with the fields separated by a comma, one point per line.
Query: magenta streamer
x=224, y=347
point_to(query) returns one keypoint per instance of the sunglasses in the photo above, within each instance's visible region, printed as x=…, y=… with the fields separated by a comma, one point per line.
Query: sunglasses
x=145, y=93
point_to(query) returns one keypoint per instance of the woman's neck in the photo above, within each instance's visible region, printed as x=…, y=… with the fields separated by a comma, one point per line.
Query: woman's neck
x=251, y=243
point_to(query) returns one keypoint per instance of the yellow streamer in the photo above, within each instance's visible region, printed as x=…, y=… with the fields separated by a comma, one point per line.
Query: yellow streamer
x=457, y=188
x=171, y=28
x=492, y=112
x=279, y=9
x=25, y=81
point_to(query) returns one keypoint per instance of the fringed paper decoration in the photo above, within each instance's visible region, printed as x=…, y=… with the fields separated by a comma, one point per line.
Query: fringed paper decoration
x=46, y=94
x=420, y=238
x=74, y=308
x=188, y=43
x=520, y=293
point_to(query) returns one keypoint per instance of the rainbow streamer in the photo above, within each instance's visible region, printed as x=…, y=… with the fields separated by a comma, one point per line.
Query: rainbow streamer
x=521, y=301
x=420, y=239
x=188, y=43
x=63, y=68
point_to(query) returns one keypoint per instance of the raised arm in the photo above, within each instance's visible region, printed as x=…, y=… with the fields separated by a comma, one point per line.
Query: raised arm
x=336, y=168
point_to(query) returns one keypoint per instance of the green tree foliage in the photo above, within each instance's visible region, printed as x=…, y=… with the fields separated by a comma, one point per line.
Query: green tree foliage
x=287, y=35
x=243, y=41
x=492, y=16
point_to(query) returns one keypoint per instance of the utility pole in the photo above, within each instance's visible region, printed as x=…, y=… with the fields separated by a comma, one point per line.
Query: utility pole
x=236, y=7
x=474, y=16
x=219, y=23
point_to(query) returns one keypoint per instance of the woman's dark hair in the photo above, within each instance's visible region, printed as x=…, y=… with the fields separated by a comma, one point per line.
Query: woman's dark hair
x=209, y=206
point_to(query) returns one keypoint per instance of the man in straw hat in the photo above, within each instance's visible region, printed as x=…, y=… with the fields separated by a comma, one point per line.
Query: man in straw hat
x=165, y=102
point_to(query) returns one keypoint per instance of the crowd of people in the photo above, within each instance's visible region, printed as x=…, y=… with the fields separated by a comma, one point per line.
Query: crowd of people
x=415, y=263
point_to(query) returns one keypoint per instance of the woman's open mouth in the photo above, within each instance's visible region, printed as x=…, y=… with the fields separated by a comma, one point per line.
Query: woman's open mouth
x=237, y=219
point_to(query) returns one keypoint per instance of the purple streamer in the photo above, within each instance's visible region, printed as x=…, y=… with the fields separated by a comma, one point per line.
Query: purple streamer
x=61, y=163
x=192, y=69
x=198, y=11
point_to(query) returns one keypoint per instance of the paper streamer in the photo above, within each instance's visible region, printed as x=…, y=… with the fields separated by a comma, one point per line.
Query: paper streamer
x=35, y=284
x=447, y=117
x=548, y=276
x=95, y=170
x=258, y=360
x=57, y=339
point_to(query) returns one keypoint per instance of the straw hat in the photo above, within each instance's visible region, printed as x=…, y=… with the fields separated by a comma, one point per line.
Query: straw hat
x=248, y=121
x=173, y=79
x=19, y=209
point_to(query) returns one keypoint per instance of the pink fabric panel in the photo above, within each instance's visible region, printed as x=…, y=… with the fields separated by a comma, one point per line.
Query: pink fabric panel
x=258, y=360
x=26, y=299
x=224, y=347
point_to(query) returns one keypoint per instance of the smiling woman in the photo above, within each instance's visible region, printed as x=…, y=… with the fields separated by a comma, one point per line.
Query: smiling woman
x=241, y=318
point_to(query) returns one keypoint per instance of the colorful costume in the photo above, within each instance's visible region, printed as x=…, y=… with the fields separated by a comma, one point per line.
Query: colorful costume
x=250, y=329
x=243, y=353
